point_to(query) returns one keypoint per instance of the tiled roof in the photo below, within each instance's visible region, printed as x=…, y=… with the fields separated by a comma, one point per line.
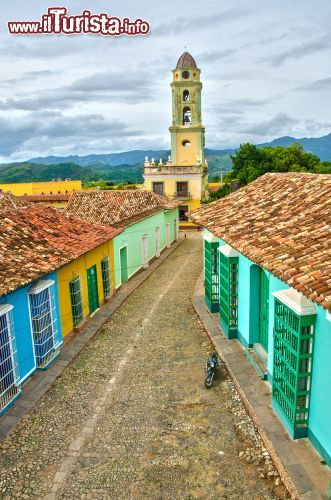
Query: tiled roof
x=282, y=222
x=214, y=186
x=117, y=208
x=45, y=197
x=37, y=240
x=186, y=61
x=9, y=202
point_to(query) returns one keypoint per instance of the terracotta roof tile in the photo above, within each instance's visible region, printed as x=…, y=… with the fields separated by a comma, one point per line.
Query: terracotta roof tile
x=45, y=197
x=283, y=223
x=9, y=202
x=117, y=208
x=38, y=239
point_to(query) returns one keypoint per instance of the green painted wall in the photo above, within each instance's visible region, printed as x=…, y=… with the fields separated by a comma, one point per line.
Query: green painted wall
x=132, y=238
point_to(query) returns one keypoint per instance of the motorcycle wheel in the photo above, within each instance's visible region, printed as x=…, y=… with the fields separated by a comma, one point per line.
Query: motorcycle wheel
x=209, y=381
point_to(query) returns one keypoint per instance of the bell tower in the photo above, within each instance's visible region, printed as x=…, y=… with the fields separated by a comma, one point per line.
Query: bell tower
x=184, y=174
x=187, y=132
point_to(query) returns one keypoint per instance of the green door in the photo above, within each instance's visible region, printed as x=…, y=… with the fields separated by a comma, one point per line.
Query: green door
x=124, y=264
x=264, y=310
x=92, y=285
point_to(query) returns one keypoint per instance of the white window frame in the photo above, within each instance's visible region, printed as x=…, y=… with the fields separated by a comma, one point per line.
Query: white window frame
x=157, y=242
x=168, y=239
x=176, y=225
x=44, y=358
x=144, y=251
x=10, y=393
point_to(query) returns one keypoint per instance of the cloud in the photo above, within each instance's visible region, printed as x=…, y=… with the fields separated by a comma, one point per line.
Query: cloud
x=98, y=87
x=43, y=49
x=29, y=76
x=305, y=49
x=189, y=24
x=318, y=85
x=279, y=124
x=54, y=129
x=215, y=55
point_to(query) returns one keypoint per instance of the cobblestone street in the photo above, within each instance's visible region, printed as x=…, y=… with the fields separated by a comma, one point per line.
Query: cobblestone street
x=130, y=417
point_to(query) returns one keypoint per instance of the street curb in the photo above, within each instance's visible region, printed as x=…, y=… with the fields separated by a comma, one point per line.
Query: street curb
x=285, y=477
x=40, y=382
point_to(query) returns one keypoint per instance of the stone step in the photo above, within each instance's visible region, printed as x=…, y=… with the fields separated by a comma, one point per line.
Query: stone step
x=256, y=361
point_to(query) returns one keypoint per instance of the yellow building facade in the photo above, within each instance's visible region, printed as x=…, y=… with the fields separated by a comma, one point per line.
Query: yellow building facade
x=185, y=175
x=77, y=300
x=40, y=188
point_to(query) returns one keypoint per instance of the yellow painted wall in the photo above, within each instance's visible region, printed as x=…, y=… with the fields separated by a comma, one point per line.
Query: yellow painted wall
x=187, y=155
x=79, y=267
x=22, y=188
x=170, y=185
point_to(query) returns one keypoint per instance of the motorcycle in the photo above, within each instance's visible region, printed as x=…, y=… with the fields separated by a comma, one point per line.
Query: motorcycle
x=213, y=364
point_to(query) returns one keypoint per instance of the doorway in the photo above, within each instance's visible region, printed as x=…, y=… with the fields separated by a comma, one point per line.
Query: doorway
x=144, y=245
x=157, y=242
x=92, y=286
x=264, y=310
x=124, y=264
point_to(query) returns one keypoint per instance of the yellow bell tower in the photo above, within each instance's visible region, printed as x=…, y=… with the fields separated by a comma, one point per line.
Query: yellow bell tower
x=187, y=132
x=184, y=175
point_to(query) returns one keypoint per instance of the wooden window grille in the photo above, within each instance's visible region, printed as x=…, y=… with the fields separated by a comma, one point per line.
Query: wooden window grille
x=293, y=363
x=75, y=287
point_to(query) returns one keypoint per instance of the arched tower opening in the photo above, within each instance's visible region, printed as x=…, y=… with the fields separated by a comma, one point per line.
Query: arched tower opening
x=187, y=116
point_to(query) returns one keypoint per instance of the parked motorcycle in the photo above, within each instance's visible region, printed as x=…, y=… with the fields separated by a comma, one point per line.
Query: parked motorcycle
x=213, y=364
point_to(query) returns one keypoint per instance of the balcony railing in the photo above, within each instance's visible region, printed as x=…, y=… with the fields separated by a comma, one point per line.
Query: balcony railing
x=182, y=194
x=194, y=169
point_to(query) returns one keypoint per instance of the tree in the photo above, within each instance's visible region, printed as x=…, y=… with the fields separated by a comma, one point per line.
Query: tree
x=249, y=162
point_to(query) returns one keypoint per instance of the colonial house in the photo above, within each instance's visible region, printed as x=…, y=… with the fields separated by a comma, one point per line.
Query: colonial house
x=51, y=265
x=267, y=256
x=149, y=224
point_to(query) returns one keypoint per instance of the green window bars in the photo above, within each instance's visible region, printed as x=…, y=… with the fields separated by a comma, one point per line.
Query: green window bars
x=294, y=327
x=228, y=290
x=75, y=288
x=211, y=272
x=106, y=281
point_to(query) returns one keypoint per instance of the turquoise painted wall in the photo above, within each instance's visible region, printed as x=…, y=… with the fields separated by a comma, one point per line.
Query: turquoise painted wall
x=248, y=303
x=320, y=403
x=132, y=236
x=248, y=324
x=244, y=315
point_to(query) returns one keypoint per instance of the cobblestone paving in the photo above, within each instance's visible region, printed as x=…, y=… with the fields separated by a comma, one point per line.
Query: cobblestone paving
x=130, y=417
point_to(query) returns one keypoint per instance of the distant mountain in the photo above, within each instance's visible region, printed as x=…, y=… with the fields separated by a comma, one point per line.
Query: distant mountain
x=114, y=159
x=128, y=165
x=320, y=146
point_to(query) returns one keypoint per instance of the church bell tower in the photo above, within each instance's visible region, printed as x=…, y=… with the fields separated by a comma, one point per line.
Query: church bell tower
x=187, y=132
x=184, y=175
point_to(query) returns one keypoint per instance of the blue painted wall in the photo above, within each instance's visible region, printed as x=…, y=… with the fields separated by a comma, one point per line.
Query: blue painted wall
x=320, y=404
x=24, y=339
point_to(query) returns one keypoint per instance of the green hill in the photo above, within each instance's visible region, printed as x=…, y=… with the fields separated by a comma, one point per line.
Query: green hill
x=30, y=172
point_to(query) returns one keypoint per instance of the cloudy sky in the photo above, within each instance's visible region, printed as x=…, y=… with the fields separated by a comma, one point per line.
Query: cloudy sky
x=265, y=69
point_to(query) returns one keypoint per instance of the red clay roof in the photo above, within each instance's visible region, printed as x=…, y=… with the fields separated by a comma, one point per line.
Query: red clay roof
x=9, y=202
x=37, y=240
x=45, y=197
x=117, y=208
x=282, y=222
